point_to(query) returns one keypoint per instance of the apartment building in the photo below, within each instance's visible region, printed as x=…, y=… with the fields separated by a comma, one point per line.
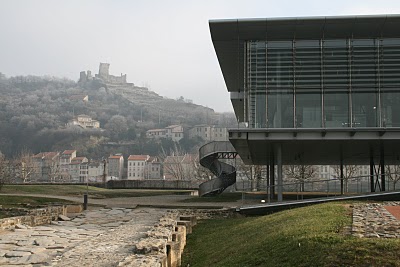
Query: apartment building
x=209, y=132
x=174, y=132
x=116, y=166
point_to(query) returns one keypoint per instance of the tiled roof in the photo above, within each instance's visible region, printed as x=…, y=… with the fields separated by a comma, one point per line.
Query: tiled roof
x=78, y=159
x=115, y=157
x=47, y=155
x=68, y=152
x=156, y=130
x=138, y=157
x=172, y=126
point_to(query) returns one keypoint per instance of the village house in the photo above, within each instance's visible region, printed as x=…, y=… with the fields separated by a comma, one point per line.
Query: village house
x=173, y=132
x=75, y=169
x=84, y=121
x=209, y=133
x=46, y=166
x=115, y=166
x=65, y=159
x=142, y=167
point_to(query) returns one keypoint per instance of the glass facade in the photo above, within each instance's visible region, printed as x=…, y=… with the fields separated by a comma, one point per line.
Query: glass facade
x=337, y=83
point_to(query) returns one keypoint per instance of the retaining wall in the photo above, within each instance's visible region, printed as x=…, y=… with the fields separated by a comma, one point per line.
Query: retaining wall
x=39, y=216
x=154, y=184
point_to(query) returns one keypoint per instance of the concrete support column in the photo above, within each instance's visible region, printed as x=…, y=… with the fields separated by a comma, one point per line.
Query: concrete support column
x=268, y=185
x=371, y=171
x=382, y=163
x=341, y=177
x=279, y=171
x=272, y=176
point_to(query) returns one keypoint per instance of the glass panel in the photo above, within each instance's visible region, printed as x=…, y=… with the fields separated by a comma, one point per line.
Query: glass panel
x=390, y=81
x=308, y=84
x=256, y=83
x=391, y=108
x=364, y=109
x=335, y=60
x=336, y=108
x=308, y=108
x=364, y=83
x=336, y=83
x=280, y=108
x=280, y=84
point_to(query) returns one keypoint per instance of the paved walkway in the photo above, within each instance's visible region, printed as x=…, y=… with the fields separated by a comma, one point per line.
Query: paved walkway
x=149, y=201
x=103, y=237
x=374, y=220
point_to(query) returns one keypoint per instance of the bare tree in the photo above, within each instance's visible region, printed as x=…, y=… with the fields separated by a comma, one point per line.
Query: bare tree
x=6, y=172
x=300, y=173
x=24, y=166
x=393, y=172
x=349, y=171
x=180, y=165
x=201, y=173
x=172, y=162
x=253, y=173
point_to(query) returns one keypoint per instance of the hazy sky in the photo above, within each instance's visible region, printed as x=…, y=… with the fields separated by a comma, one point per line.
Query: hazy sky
x=162, y=44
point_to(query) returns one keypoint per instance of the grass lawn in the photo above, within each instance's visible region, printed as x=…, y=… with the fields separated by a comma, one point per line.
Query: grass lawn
x=77, y=190
x=309, y=236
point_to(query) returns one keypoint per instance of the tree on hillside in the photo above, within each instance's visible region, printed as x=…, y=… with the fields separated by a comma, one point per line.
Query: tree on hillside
x=117, y=126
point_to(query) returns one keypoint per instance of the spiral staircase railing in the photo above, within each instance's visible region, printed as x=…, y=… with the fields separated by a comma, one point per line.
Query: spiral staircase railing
x=210, y=156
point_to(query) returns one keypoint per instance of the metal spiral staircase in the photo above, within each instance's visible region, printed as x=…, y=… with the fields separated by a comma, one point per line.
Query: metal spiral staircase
x=210, y=155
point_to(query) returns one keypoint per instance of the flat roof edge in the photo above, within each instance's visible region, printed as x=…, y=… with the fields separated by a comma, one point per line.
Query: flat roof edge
x=306, y=18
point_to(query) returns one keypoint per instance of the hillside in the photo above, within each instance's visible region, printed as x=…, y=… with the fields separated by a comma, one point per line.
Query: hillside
x=34, y=112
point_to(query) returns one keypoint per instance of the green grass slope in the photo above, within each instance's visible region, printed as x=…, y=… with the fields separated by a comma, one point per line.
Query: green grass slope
x=309, y=236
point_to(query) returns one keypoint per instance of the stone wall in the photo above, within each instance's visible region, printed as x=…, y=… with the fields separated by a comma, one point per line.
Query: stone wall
x=153, y=184
x=39, y=216
x=164, y=242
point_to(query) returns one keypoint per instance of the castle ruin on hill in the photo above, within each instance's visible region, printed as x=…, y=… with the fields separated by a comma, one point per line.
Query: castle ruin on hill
x=104, y=75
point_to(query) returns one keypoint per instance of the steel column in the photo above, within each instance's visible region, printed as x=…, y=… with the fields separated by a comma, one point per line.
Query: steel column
x=279, y=171
x=382, y=165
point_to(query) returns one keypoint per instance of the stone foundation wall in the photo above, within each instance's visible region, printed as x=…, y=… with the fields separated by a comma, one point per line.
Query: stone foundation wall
x=38, y=216
x=153, y=184
x=164, y=242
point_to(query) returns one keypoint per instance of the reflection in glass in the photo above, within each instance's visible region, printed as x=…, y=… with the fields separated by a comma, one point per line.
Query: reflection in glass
x=336, y=83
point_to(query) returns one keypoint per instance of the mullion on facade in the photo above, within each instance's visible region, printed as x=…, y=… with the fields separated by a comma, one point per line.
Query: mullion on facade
x=324, y=83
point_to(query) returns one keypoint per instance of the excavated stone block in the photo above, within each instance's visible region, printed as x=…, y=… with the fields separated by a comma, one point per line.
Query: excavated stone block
x=191, y=218
x=187, y=224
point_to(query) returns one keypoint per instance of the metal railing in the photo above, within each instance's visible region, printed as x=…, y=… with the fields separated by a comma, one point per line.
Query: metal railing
x=311, y=188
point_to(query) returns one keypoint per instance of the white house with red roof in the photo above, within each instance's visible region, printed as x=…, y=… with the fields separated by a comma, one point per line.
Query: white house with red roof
x=142, y=167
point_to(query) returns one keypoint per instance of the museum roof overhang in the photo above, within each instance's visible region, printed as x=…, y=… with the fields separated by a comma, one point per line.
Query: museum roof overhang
x=228, y=37
x=317, y=146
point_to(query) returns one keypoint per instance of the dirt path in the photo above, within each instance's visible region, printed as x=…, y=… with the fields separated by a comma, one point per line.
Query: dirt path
x=162, y=201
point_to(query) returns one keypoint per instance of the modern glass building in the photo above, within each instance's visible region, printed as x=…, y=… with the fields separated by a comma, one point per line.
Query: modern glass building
x=315, y=90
